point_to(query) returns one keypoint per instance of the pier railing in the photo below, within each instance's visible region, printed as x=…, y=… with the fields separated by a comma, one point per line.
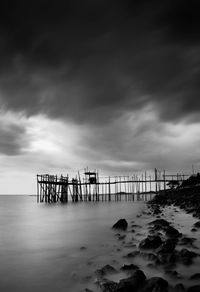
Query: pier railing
x=92, y=187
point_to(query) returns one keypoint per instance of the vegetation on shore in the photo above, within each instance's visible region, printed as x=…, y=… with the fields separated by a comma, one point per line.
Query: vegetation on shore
x=186, y=196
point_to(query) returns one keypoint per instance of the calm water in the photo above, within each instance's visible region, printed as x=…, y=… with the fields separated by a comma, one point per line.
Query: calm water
x=40, y=245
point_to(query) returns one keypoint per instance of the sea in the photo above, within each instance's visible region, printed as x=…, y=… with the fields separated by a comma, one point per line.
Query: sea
x=58, y=247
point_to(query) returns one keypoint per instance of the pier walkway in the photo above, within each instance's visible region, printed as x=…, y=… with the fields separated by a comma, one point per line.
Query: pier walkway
x=91, y=187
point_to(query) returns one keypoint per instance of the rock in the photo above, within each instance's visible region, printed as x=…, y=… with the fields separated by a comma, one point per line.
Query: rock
x=132, y=283
x=135, y=225
x=130, y=245
x=155, y=284
x=187, y=241
x=121, y=237
x=193, y=229
x=121, y=224
x=195, y=276
x=197, y=224
x=195, y=288
x=130, y=267
x=107, y=269
x=185, y=256
x=107, y=285
x=150, y=242
x=167, y=246
x=88, y=290
x=132, y=254
x=179, y=288
x=83, y=248
x=149, y=256
x=166, y=258
x=159, y=222
x=173, y=273
x=172, y=232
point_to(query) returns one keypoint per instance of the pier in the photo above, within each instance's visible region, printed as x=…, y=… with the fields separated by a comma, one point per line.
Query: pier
x=91, y=187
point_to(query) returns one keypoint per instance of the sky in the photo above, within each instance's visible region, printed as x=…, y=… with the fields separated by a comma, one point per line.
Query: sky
x=113, y=85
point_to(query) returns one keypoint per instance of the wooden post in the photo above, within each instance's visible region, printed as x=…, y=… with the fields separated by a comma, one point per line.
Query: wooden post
x=164, y=180
x=156, y=180
x=109, y=197
x=145, y=178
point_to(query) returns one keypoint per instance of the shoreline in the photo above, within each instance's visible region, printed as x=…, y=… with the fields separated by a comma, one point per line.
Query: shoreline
x=164, y=248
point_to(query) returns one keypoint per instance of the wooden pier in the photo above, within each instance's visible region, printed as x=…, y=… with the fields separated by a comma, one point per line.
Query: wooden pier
x=91, y=187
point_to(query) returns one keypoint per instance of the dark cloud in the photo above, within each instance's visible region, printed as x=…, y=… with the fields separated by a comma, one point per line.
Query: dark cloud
x=92, y=61
x=12, y=141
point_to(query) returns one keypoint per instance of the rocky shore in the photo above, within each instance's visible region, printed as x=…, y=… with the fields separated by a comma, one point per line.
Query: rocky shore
x=164, y=247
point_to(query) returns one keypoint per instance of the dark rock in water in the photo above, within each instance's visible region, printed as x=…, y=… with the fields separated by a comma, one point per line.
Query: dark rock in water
x=179, y=288
x=130, y=245
x=185, y=256
x=173, y=273
x=130, y=267
x=195, y=288
x=160, y=222
x=149, y=256
x=121, y=237
x=167, y=246
x=193, y=229
x=172, y=232
x=83, y=248
x=135, y=225
x=107, y=285
x=197, y=224
x=187, y=241
x=132, y=283
x=132, y=254
x=156, y=211
x=107, y=269
x=166, y=258
x=88, y=290
x=195, y=276
x=155, y=284
x=121, y=224
x=150, y=242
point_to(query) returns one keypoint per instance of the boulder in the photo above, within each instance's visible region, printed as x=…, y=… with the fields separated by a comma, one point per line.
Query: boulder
x=195, y=288
x=150, y=242
x=179, y=288
x=173, y=273
x=121, y=237
x=193, y=229
x=185, y=256
x=107, y=269
x=155, y=284
x=130, y=267
x=195, y=276
x=132, y=254
x=132, y=283
x=172, y=232
x=166, y=258
x=107, y=285
x=121, y=224
x=187, y=241
x=197, y=224
x=167, y=246
x=159, y=222
x=149, y=256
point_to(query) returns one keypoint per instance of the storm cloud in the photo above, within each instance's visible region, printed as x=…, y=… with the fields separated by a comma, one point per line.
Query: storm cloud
x=92, y=61
x=109, y=84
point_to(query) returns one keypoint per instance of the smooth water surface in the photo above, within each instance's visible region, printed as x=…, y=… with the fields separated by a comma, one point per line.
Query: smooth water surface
x=40, y=244
x=55, y=247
